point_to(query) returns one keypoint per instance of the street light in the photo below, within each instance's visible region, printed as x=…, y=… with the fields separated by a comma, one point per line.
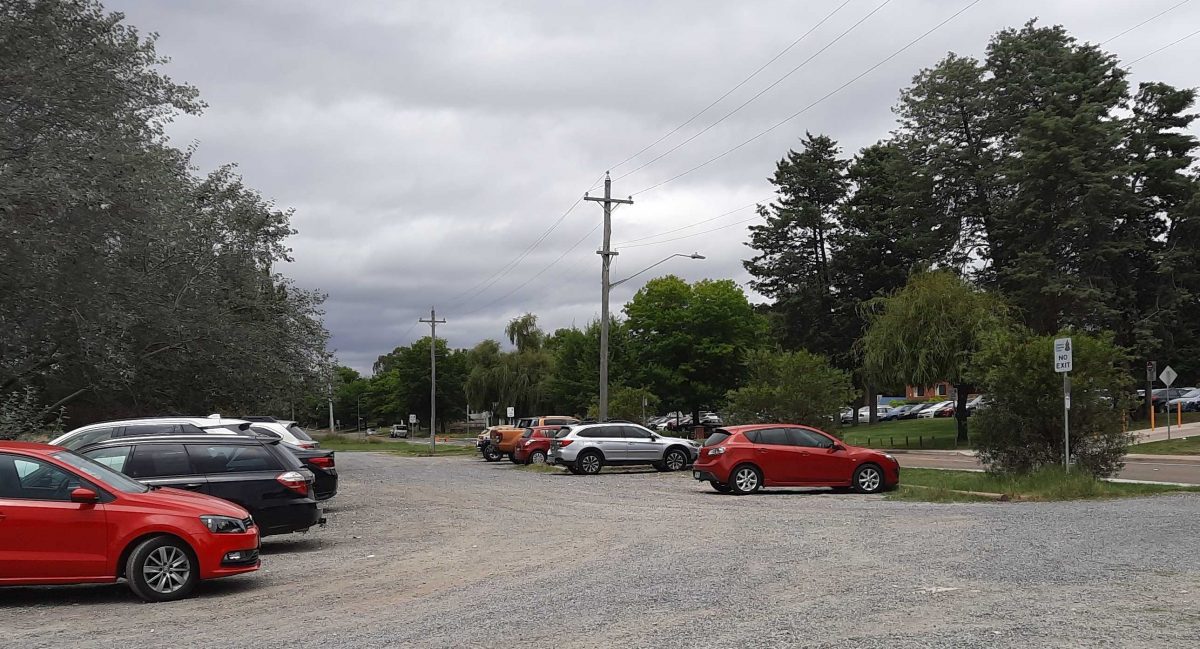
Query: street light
x=606, y=287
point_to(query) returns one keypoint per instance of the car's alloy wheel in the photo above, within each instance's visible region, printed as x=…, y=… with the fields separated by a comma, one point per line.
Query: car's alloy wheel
x=868, y=479
x=537, y=457
x=675, y=460
x=161, y=569
x=745, y=480
x=589, y=463
x=491, y=453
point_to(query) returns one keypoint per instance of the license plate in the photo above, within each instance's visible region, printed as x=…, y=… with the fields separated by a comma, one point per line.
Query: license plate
x=696, y=475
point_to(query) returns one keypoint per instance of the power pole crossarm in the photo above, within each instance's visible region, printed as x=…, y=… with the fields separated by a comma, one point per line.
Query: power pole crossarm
x=433, y=323
x=606, y=255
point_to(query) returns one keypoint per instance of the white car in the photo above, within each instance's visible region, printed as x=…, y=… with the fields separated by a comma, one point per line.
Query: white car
x=864, y=413
x=399, y=430
x=928, y=413
x=211, y=425
x=1189, y=401
x=289, y=432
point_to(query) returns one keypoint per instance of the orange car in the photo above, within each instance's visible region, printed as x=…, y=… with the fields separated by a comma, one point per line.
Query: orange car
x=504, y=439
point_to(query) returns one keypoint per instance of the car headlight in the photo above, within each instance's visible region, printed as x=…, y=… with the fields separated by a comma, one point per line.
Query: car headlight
x=223, y=524
x=890, y=457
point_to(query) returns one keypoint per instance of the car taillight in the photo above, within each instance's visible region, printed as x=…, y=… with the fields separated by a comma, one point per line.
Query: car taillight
x=563, y=442
x=323, y=462
x=295, y=481
x=307, y=445
x=720, y=450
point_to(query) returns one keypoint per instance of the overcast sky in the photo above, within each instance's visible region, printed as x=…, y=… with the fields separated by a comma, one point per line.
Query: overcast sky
x=425, y=145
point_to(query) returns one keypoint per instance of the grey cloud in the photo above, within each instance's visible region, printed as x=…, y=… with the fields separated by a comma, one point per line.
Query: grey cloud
x=425, y=144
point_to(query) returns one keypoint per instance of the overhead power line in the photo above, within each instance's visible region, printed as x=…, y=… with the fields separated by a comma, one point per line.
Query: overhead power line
x=756, y=95
x=486, y=283
x=1171, y=44
x=733, y=89
x=1157, y=15
x=694, y=234
x=622, y=244
x=537, y=274
x=818, y=101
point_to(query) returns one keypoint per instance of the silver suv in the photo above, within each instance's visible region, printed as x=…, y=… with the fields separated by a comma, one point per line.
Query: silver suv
x=587, y=448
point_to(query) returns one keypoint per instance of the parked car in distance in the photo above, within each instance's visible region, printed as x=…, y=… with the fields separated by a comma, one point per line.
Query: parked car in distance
x=1187, y=402
x=847, y=416
x=546, y=420
x=916, y=410
x=1164, y=396
x=744, y=459
x=896, y=413
x=289, y=431
x=864, y=413
x=399, y=430
x=534, y=445
x=587, y=448
x=211, y=425
x=65, y=519
x=257, y=474
x=939, y=409
x=503, y=439
x=977, y=402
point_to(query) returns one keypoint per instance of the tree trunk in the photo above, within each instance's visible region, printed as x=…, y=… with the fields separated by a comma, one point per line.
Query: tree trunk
x=960, y=413
x=872, y=406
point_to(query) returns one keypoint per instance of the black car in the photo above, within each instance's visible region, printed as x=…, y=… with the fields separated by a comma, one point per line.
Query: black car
x=259, y=474
x=323, y=467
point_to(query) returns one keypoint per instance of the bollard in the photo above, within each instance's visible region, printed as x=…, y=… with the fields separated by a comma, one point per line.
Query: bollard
x=906, y=441
x=892, y=442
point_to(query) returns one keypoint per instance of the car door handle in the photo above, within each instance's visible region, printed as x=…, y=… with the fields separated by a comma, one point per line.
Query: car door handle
x=191, y=485
x=762, y=450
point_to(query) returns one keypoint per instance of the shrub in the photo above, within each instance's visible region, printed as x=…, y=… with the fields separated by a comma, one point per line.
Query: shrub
x=790, y=387
x=1021, y=429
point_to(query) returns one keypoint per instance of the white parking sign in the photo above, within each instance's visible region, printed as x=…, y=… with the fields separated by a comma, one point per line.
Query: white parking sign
x=1063, y=357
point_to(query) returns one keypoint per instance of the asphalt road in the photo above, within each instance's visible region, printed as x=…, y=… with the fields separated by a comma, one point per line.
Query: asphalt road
x=1153, y=468
x=455, y=552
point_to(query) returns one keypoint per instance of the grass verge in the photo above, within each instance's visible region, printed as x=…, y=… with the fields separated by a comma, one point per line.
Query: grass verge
x=540, y=468
x=933, y=485
x=1187, y=446
x=938, y=433
x=406, y=449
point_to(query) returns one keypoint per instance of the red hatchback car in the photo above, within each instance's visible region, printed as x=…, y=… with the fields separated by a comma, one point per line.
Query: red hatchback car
x=743, y=459
x=534, y=445
x=66, y=519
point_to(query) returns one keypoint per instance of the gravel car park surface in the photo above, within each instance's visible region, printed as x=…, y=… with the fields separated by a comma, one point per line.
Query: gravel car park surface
x=456, y=552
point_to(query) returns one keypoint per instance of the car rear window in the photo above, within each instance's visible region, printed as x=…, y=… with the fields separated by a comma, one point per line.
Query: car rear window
x=302, y=435
x=527, y=434
x=717, y=437
x=562, y=432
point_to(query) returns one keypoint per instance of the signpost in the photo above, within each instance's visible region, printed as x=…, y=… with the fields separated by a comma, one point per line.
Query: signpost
x=1064, y=361
x=1168, y=377
x=1151, y=372
x=512, y=412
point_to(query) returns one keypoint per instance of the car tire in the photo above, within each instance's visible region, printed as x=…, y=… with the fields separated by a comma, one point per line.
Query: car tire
x=573, y=469
x=491, y=453
x=537, y=457
x=162, y=569
x=589, y=463
x=675, y=459
x=512, y=457
x=868, y=479
x=745, y=479
x=723, y=488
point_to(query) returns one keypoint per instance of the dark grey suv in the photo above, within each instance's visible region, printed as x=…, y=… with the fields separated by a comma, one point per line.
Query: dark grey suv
x=589, y=447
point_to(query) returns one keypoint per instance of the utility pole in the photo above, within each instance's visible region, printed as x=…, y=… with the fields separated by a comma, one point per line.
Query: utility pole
x=433, y=323
x=606, y=255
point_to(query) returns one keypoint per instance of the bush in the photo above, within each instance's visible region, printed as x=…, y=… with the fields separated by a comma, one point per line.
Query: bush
x=1021, y=430
x=790, y=387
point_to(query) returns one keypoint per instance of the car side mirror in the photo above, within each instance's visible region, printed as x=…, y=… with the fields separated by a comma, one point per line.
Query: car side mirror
x=837, y=447
x=84, y=495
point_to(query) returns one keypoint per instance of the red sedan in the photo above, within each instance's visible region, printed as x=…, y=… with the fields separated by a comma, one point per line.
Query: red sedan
x=66, y=519
x=534, y=445
x=744, y=459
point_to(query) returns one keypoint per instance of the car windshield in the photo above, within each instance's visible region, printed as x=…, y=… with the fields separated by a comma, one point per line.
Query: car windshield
x=717, y=437
x=299, y=433
x=111, y=478
x=1192, y=393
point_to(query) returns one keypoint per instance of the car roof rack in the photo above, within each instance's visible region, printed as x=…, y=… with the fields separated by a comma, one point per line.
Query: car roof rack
x=260, y=418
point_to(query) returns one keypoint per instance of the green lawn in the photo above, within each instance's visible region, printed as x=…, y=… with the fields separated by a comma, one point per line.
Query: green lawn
x=1160, y=421
x=937, y=433
x=1188, y=446
x=395, y=447
x=935, y=485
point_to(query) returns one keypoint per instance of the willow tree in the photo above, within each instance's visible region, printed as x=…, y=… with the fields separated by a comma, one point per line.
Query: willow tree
x=929, y=331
